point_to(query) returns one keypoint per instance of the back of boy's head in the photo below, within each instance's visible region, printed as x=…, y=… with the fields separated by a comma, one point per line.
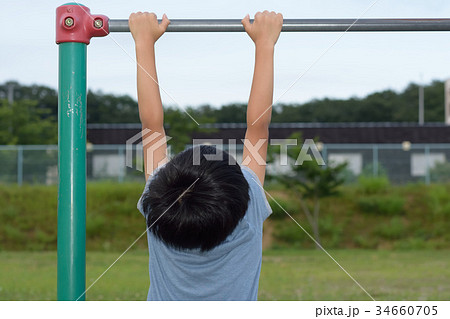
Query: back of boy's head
x=215, y=201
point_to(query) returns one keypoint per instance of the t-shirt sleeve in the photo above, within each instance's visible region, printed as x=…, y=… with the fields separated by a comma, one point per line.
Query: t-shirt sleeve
x=258, y=206
x=140, y=204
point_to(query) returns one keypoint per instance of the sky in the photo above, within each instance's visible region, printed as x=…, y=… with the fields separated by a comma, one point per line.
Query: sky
x=216, y=68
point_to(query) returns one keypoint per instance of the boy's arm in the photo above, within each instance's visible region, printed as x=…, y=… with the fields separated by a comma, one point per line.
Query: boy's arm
x=146, y=31
x=264, y=31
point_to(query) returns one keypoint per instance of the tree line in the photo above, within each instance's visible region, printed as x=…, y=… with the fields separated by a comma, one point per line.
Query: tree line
x=28, y=113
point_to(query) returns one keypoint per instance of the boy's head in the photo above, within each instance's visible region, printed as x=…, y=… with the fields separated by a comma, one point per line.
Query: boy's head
x=208, y=211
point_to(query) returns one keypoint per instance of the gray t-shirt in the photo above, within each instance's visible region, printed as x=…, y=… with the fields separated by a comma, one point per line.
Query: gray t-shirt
x=229, y=271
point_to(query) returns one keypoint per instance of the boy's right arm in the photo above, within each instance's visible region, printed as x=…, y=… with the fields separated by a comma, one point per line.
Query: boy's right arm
x=146, y=31
x=264, y=31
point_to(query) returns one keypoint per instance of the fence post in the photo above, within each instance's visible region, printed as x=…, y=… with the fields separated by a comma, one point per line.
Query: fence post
x=375, y=160
x=121, y=174
x=427, y=164
x=19, y=165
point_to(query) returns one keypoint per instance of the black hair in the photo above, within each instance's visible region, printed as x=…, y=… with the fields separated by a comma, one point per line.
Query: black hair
x=194, y=202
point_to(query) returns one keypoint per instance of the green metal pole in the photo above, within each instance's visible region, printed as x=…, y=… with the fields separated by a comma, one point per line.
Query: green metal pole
x=72, y=171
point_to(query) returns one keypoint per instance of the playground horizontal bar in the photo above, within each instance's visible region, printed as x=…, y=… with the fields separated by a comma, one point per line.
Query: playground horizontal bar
x=300, y=25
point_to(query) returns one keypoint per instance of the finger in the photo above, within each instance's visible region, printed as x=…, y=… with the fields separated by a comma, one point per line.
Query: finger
x=152, y=16
x=130, y=20
x=280, y=16
x=165, y=22
x=246, y=22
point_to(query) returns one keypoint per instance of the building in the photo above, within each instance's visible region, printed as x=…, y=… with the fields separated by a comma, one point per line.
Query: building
x=404, y=151
x=328, y=133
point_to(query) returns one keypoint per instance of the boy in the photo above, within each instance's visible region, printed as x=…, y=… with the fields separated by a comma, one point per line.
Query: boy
x=205, y=218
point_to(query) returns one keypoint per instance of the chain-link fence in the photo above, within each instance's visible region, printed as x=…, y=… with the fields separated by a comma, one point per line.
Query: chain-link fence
x=401, y=163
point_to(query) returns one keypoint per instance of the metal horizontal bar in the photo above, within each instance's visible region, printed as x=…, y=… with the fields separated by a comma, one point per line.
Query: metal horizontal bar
x=300, y=25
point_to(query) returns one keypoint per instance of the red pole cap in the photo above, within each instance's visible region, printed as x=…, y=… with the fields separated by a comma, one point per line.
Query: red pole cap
x=75, y=23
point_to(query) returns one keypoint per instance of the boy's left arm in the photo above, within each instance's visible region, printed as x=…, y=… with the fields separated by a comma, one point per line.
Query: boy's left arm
x=264, y=31
x=146, y=31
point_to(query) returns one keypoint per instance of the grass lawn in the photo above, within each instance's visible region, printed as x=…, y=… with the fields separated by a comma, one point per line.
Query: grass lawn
x=286, y=275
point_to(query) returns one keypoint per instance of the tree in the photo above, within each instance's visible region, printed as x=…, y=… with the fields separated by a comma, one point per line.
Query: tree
x=383, y=106
x=229, y=113
x=109, y=108
x=310, y=182
x=180, y=127
x=24, y=123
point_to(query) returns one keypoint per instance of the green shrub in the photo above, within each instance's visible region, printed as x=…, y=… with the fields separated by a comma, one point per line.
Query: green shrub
x=368, y=170
x=362, y=241
x=44, y=237
x=290, y=206
x=95, y=226
x=440, y=229
x=438, y=199
x=28, y=218
x=394, y=229
x=330, y=231
x=411, y=243
x=42, y=240
x=440, y=172
x=12, y=233
x=348, y=176
x=426, y=234
x=288, y=233
x=382, y=205
x=373, y=185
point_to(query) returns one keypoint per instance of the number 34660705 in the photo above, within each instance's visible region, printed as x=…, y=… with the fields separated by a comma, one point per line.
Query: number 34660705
x=407, y=310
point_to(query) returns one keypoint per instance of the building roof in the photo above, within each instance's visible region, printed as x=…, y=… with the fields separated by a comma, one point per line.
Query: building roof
x=372, y=132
